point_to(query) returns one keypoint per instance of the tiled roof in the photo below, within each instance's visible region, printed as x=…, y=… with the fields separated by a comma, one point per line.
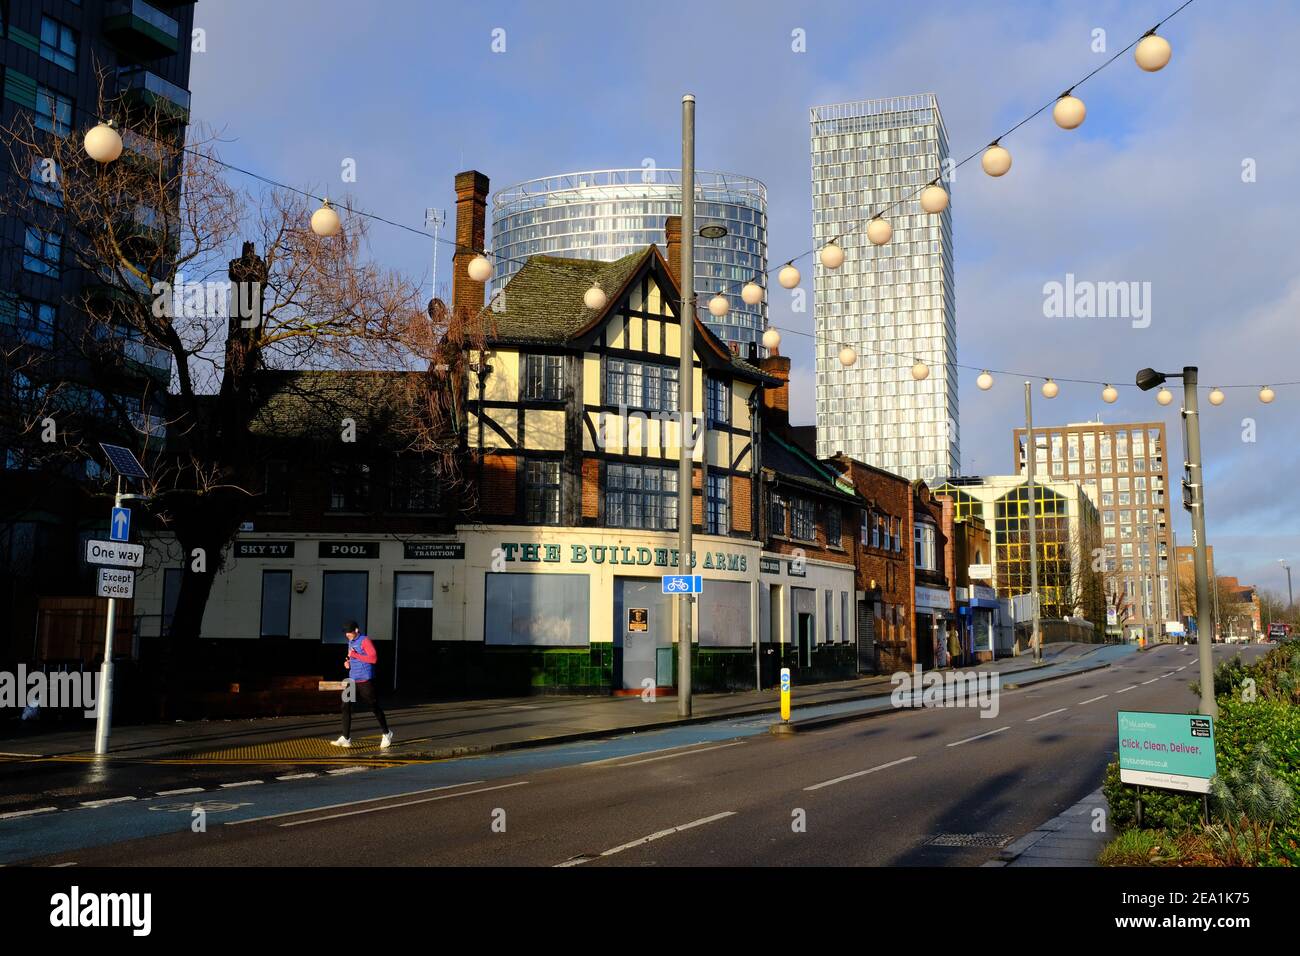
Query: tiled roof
x=302, y=404
x=543, y=301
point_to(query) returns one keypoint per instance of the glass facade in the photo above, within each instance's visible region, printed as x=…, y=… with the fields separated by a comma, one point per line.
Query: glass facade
x=607, y=214
x=892, y=303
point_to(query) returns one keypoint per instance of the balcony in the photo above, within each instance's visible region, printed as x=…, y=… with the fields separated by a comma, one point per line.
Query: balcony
x=142, y=88
x=140, y=30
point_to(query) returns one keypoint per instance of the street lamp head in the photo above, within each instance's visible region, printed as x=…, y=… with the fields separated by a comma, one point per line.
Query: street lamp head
x=713, y=232
x=1149, y=378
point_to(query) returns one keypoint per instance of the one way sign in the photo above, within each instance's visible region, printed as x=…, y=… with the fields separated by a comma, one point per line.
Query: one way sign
x=119, y=526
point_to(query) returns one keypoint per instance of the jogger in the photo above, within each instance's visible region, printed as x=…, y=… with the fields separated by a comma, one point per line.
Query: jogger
x=360, y=662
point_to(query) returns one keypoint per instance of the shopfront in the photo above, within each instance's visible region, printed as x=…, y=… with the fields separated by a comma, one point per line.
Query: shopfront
x=933, y=612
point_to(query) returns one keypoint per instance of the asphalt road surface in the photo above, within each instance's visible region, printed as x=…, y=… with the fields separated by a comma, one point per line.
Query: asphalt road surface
x=934, y=786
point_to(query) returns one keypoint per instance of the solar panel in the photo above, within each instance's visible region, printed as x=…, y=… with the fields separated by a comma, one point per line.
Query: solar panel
x=123, y=461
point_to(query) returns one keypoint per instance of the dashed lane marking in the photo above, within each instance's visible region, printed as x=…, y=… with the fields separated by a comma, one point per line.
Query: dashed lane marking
x=15, y=814
x=177, y=793
x=106, y=801
x=297, y=776
x=958, y=743
x=578, y=861
x=242, y=783
x=860, y=773
x=398, y=806
x=685, y=753
x=340, y=771
x=353, y=803
x=1129, y=687
x=1092, y=700
x=1048, y=714
x=1151, y=681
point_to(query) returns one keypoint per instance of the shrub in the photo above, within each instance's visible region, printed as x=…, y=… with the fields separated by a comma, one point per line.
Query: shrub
x=1139, y=848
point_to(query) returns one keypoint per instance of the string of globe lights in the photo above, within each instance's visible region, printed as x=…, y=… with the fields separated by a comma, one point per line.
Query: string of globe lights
x=1051, y=385
x=1152, y=52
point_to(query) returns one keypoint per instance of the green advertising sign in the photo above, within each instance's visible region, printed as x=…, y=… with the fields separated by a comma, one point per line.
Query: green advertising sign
x=1169, y=751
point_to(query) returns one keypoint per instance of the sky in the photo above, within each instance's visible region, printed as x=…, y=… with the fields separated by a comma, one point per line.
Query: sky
x=1176, y=178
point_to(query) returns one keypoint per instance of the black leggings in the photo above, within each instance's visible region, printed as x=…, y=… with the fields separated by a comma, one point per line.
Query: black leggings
x=367, y=696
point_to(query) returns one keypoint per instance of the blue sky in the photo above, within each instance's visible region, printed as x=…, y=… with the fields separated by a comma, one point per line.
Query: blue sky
x=1149, y=189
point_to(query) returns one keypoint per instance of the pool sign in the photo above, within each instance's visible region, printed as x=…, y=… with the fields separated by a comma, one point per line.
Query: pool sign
x=1169, y=751
x=683, y=584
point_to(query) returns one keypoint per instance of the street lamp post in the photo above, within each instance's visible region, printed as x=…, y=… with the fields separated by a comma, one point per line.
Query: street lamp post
x=685, y=388
x=1286, y=567
x=1030, y=453
x=1194, y=501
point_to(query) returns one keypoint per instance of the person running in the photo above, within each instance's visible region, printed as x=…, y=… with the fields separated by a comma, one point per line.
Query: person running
x=360, y=663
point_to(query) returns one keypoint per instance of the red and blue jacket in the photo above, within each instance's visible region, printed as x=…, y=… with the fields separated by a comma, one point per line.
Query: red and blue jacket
x=363, y=657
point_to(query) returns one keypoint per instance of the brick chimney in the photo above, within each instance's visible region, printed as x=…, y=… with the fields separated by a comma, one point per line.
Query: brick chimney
x=673, y=236
x=471, y=221
x=776, y=398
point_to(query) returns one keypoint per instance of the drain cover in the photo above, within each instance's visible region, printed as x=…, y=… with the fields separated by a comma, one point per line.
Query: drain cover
x=969, y=839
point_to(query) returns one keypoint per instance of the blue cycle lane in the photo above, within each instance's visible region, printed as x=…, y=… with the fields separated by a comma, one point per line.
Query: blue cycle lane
x=62, y=831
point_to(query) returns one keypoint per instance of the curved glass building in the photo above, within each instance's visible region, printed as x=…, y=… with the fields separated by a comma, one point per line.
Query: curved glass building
x=608, y=213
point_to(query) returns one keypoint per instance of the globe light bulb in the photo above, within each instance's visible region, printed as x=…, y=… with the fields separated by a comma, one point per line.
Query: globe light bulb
x=771, y=339
x=1152, y=53
x=788, y=276
x=1266, y=395
x=103, y=144
x=879, y=231
x=985, y=381
x=1164, y=396
x=1110, y=394
x=479, y=268
x=1050, y=389
x=325, y=221
x=848, y=356
x=1069, y=112
x=920, y=371
x=832, y=255
x=934, y=198
x=718, y=306
x=996, y=160
x=595, y=297
x=1217, y=397
x=752, y=293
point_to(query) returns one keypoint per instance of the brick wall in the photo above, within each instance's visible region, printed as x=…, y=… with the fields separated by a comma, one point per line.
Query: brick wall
x=590, y=488
x=741, y=504
x=499, y=476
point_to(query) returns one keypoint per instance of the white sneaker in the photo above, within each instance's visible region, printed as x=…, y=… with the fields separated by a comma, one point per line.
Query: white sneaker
x=342, y=742
x=386, y=741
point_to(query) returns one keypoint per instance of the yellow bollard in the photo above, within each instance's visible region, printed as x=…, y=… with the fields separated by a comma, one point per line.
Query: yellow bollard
x=785, y=693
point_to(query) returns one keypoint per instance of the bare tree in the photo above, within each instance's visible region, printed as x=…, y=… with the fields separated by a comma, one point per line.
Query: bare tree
x=214, y=286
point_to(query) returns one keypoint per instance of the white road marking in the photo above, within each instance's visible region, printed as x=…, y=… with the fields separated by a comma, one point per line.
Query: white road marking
x=655, y=836
x=104, y=803
x=59, y=865
x=685, y=753
x=242, y=783
x=5, y=753
x=860, y=773
x=176, y=793
x=1091, y=700
x=353, y=803
x=1184, y=667
x=1129, y=687
x=346, y=770
x=1048, y=714
x=661, y=750
x=958, y=743
x=398, y=806
x=15, y=814
x=1170, y=674
x=296, y=776
x=1151, y=681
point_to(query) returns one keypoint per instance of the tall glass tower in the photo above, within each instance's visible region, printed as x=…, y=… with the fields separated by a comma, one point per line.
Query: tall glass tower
x=893, y=303
x=609, y=213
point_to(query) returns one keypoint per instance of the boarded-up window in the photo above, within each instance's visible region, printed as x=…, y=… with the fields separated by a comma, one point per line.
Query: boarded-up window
x=541, y=610
x=724, y=615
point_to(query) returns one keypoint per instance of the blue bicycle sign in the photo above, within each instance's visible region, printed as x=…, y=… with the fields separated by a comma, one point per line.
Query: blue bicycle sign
x=683, y=584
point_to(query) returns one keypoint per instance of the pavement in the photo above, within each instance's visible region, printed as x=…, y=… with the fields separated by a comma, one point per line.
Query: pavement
x=1070, y=838
x=935, y=785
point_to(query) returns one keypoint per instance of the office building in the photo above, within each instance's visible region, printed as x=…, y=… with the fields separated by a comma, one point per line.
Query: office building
x=893, y=303
x=607, y=214
x=1127, y=465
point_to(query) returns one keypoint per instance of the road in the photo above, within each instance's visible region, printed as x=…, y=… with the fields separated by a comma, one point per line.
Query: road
x=935, y=786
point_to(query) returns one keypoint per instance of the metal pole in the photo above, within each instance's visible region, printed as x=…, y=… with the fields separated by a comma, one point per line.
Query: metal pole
x=104, y=700
x=1204, y=600
x=685, y=388
x=1030, y=454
